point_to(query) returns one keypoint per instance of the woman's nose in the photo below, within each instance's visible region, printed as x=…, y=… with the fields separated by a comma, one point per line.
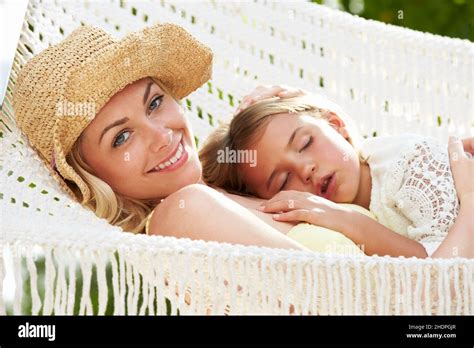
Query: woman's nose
x=160, y=137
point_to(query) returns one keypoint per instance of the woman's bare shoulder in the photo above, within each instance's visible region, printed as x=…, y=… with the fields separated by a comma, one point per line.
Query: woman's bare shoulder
x=200, y=212
x=182, y=207
x=252, y=203
x=249, y=202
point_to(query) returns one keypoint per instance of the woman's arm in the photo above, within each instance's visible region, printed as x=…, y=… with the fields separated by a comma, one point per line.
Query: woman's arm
x=468, y=144
x=460, y=239
x=200, y=212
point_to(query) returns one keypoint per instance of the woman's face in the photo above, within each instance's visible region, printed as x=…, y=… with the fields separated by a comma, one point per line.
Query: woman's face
x=141, y=143
x=306, y=154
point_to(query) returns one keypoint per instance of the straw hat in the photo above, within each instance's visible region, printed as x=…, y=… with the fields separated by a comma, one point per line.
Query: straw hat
x=60, y=90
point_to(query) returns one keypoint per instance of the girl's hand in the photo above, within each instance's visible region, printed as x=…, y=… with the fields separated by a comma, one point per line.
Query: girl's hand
x=295, y=206
x=462, y=168
x=266, y=91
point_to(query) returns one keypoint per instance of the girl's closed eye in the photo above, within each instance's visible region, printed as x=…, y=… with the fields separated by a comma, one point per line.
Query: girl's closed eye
x=307, y=144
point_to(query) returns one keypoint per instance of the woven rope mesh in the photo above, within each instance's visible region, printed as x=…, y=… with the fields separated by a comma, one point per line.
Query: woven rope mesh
x=390, y=80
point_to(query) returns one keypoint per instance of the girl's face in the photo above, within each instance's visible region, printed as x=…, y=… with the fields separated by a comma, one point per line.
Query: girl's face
x=141, y=143
x=306, y=154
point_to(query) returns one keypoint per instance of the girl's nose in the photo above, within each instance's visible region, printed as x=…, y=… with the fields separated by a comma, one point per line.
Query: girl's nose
x=160, y=137
x=308, y=172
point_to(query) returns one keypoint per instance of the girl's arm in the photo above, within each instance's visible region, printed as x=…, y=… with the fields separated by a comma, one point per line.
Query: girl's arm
x=371, y=236
x=375, y=238
x=370, y=244
x=199, y=212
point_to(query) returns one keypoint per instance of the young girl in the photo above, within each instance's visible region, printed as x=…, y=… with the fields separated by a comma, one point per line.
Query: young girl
x=308, y=159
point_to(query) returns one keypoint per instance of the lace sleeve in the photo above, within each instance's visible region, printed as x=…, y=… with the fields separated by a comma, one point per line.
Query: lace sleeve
x=427, y=195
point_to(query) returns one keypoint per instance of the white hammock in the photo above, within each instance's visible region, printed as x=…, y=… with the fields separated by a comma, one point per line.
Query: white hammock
x=390, y=79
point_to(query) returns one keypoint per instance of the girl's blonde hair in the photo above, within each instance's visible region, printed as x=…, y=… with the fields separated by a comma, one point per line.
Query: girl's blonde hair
x=128, y=213
x=249, y=125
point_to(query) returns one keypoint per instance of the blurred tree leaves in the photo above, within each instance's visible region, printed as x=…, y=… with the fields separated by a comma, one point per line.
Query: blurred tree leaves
x=453, y=18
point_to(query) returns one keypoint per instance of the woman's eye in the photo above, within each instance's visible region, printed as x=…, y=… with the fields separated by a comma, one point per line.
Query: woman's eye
x=121, y=139
x=307, y=144
x=155, y=103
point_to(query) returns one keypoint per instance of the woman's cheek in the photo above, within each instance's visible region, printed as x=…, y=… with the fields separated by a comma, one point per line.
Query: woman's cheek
x=131, y=158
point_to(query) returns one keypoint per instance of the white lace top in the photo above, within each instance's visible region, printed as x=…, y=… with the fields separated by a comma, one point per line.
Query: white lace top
x=413, y=190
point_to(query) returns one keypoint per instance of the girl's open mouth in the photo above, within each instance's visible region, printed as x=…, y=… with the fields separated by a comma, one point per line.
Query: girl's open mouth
x=328, y=186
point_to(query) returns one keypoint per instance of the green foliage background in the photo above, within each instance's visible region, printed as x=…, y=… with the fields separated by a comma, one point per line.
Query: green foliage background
x=453, y=18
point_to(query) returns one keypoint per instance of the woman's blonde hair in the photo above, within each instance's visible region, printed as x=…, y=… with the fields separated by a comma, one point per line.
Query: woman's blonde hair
x=248, y=125
x=128, y=213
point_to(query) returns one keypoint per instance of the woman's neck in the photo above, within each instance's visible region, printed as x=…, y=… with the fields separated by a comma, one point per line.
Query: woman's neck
x=365, y=187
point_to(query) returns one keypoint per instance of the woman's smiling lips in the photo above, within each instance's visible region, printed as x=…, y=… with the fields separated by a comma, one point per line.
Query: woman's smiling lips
x=173, y=161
